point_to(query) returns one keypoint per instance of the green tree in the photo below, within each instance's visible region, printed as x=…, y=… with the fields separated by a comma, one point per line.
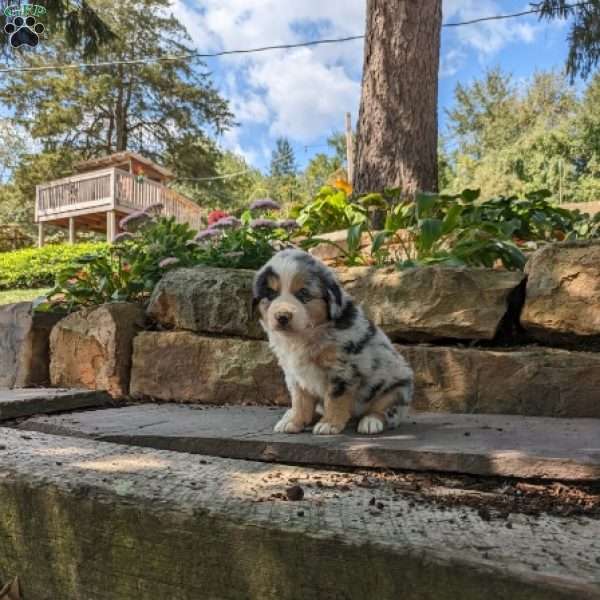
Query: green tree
x=283, y=160
x=508, y=141
x=235, y=186
x=160, y=110
x=584, y=36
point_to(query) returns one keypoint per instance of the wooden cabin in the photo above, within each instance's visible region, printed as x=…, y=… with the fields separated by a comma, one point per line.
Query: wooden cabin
x=105, y=190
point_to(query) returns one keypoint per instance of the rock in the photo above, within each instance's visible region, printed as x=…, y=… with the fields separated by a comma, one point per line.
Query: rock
x=433, y=302
x=206, y=300
x=329, y=252
x=24, y=345
x=529, y=381
x=185, y=367
x=563, y=293
x=92, y=348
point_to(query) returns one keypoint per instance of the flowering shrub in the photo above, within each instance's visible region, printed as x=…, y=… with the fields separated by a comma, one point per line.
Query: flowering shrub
x=248, y=242
x=216, y=215
x=151, y=245
x=130, y=268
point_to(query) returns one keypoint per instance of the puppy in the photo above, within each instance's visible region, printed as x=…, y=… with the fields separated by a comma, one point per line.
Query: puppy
x=337, y=363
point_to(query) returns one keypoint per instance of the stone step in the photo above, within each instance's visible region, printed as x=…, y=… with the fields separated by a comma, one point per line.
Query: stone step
x=18, y=403
x=528, y=447
x=94, y=520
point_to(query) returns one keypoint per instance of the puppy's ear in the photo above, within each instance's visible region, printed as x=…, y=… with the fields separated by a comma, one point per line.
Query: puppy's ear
x=335, y=299
x=259, y=287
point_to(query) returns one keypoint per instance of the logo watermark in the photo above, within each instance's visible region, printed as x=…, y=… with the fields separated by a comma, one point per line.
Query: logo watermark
x=24, y=28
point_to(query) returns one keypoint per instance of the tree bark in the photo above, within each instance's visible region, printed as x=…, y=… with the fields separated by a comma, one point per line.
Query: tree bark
x=397, y=126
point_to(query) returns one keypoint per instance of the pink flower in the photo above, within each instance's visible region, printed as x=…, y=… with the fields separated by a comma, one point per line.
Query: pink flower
x=134, y=221
x=207, y=234
x=226, y=223
x=264, y=224
x=168, y=262
x=265, y=204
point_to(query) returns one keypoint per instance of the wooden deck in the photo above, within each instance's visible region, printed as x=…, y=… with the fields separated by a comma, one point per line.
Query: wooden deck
x=98, y=200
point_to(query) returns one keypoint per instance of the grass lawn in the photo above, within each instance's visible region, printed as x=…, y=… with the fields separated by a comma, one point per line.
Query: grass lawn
x=10, y=296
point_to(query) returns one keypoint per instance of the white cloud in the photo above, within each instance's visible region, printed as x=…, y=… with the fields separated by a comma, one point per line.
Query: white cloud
x=303, y=93
x=486, y=38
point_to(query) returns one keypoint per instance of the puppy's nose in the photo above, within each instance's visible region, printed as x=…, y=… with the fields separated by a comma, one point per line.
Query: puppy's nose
x=283, y=318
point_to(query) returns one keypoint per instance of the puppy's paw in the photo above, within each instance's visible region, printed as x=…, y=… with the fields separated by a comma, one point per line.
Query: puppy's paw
x=287, y=424
x=325, y=428
x=370, y=424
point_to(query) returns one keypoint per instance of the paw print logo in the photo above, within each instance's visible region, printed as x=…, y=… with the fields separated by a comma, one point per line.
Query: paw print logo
x=24, y=31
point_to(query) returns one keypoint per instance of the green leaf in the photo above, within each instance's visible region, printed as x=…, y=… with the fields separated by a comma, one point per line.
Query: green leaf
x=425, y=202
x=469, y=195
x=430, y=231
x=378, y=241
x=354, y=237
x=451, y=219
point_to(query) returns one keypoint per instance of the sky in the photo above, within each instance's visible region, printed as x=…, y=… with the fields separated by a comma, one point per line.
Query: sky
x=303, y=93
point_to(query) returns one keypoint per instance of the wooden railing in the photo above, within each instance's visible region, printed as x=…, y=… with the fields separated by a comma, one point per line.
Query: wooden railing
x=139, y=195
x=112, y=189
x=75, y=193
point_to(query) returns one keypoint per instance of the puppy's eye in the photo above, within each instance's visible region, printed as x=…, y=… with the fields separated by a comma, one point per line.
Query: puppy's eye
x=270, y=294
x=303, y=295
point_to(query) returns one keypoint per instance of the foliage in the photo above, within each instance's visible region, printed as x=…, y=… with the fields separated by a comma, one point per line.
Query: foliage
x=152, y=245
x=535, y=217
x=513, y=140
x=14, y=296
x=162, y=110
x=331, y=210
x=584, y=37
x=38, y=267
x=247, y=243
x=450, y=230
x=128, y=270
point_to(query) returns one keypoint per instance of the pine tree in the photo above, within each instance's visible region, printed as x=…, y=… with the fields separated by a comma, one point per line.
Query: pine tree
x=397, y=136
x=283, y=161
x=162, y=110
x=584, y=37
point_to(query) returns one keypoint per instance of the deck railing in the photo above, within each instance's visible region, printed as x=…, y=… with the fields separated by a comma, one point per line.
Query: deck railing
x=141, y=194
x=111, y=189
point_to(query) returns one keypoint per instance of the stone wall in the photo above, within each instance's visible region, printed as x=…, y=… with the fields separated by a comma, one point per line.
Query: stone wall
x=480, y=340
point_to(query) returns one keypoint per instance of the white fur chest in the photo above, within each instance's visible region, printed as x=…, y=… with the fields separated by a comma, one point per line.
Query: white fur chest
x=297, y=362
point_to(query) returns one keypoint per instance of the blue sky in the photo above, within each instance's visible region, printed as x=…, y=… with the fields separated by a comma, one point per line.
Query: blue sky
x=303, y=93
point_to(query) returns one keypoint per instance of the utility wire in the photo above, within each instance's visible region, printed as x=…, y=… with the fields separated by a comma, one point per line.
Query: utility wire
x=191, y=55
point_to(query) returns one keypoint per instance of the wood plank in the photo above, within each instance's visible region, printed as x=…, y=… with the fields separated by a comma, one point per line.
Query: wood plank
x=528, y=447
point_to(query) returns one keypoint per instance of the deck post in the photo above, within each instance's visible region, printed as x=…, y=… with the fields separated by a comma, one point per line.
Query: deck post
x=40, y=234
x=111, y=225
x=71, y=230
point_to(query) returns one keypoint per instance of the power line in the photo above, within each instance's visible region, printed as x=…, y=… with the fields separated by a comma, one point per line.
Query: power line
x=191, y=55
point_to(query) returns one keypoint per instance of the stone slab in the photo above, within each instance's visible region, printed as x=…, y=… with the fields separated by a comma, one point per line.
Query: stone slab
x=25, y=345
x=529, y=381
x=528, y=447
x=85, y=519
x=18, y=403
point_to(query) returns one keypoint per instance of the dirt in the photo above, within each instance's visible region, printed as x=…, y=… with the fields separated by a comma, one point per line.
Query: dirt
x=493, y=498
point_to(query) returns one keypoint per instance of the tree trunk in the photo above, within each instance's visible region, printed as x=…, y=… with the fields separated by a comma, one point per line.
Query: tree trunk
x=397, y=126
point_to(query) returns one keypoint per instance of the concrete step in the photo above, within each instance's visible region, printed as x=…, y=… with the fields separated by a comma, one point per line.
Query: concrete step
x=81, y=519
x=18, y=403
x=513, y=446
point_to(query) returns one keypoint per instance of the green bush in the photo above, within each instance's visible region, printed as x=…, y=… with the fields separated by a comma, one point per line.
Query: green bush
x=39, y=267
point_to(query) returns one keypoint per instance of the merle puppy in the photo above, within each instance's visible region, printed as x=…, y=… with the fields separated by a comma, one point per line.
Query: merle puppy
x=337, y=363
